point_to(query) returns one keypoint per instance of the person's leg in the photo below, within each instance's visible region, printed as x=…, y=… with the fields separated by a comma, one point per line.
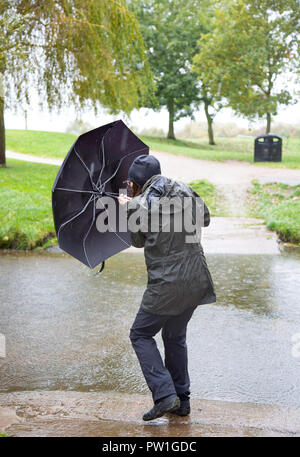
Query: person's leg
x=157, y=376
x=176, y=359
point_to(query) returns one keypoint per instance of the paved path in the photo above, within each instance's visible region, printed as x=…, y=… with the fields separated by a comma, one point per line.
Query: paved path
x=186, y=169
x=109, y=414
x=232, y=177
x=235, y=235
x=32, y=158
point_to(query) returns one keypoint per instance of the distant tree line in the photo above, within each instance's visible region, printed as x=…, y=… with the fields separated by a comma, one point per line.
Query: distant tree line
x=224, y=130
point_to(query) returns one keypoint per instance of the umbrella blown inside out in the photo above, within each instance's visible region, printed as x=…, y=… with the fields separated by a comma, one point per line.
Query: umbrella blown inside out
x=95, y=167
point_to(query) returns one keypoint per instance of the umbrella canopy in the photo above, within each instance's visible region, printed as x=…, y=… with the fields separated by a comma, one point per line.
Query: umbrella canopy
x=95, y=167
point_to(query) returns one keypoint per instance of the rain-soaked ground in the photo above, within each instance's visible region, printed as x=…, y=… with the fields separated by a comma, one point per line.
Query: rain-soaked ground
x=67, y=329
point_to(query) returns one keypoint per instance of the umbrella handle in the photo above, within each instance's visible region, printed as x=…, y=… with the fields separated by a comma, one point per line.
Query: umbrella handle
x=101, y=268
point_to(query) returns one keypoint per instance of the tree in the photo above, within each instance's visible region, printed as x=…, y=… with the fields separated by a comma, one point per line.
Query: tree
x=211, y=98
x=212, y=104
x=171, y=30
x=252, y=44
x=71, y=51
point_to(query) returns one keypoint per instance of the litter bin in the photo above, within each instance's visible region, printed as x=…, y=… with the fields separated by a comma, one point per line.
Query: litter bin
x=268, y=148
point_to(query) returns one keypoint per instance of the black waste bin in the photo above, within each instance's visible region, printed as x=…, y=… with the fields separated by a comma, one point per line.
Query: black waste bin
x=268, y=148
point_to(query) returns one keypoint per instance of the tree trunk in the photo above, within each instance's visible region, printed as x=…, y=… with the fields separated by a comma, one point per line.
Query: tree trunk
x=171, y=135
x=2, y=134
x=268, y=129
x=209, y=123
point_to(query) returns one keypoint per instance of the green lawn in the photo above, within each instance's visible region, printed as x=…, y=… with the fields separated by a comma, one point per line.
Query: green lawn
x=43, y=144
x=241, y=149
x=51, y=144
x=279, y=205
x=26, y=206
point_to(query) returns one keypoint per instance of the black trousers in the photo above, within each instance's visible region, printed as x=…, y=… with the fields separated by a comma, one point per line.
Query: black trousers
x=167, y=378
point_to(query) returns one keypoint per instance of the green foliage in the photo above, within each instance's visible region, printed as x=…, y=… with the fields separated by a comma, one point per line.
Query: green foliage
x=25, y=205
x=252, y=43
x=73, y=51
x=279, y=205
x=171, y=31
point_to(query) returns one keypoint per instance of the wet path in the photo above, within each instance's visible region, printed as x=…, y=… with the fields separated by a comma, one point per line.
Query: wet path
x=68, y=330
x=110, y=414
x=70, y=369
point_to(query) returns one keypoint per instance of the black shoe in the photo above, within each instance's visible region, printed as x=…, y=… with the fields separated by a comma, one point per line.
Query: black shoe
x=162, y=407
x=183, y=409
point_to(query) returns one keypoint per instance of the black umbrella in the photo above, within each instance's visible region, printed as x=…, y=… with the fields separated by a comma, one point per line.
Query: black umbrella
x=95, y=167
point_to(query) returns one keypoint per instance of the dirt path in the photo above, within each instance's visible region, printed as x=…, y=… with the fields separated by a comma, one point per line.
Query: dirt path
x=231, y=177
x=109, y=414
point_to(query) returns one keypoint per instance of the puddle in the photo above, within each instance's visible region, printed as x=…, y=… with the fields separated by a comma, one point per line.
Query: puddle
x=67, y=329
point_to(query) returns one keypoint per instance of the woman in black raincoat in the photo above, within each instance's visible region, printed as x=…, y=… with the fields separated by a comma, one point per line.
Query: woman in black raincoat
x=178, y=279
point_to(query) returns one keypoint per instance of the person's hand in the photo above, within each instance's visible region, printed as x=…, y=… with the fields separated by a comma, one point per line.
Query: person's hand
x=123, y=199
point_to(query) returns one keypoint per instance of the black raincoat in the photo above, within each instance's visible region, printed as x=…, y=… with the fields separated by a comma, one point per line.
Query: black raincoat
x=178, y=276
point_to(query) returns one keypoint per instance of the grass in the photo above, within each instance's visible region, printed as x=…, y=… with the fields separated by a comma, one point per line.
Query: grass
x=43, y=144
x=25, y=205
x=240, y=149
x=279, y=205
x=56, y=145
x=211, y=195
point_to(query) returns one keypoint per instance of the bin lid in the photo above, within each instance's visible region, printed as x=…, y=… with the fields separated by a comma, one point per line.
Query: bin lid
x=268, y=135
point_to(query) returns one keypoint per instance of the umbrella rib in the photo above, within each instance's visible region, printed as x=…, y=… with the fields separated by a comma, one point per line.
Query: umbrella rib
x=111, y=194
x=103, y=159
x=120, y=161
x=75, y=190
x=74, y=217
x=86, y=167
x=87, y=233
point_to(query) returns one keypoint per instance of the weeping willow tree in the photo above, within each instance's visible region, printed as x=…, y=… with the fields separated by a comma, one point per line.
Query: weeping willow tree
x=71, y=51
